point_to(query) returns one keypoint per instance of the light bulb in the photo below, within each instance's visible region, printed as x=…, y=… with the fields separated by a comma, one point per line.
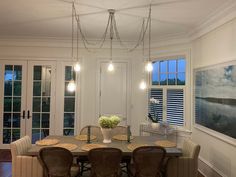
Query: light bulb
x=143, y=85
x=71, y=86
x=149, y=67
x=77, y=67
x=110, y=67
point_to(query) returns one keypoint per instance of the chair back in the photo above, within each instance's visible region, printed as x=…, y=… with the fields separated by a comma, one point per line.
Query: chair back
x=148, y=161
x=105, y=162
x=56, y=161
x=94, y=130
x=191, y=149
x=20, y=146
x=119, y=130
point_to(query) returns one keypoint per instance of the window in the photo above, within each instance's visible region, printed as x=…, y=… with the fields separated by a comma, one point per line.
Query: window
x=69, y=103
x=168, y=87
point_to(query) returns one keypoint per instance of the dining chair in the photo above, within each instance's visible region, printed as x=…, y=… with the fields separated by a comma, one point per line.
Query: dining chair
x=125, y=159
x=187, y=164
x=23, y=165
x=57, y=162
x=83, y=159
x=147, y=161
x=105, y=162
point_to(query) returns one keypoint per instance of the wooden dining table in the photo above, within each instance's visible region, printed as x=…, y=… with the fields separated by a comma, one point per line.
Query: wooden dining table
x=122, y=145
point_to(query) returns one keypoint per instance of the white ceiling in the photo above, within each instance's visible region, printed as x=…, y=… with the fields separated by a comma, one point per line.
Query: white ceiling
x=52, y=18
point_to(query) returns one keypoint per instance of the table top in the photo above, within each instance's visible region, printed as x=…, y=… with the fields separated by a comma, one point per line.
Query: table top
x=122, y=145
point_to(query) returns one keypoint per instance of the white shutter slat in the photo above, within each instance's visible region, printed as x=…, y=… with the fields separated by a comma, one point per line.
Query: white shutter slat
x=175, y=106
x=157, y=94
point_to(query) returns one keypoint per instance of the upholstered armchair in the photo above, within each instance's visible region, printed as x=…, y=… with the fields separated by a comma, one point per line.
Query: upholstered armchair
x=22, y=165
x=187, y=164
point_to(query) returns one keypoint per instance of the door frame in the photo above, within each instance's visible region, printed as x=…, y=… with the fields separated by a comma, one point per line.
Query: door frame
x=98, y=85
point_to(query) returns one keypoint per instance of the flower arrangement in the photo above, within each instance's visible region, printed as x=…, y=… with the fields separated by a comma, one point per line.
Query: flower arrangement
x=109, y=122
x=153, y=102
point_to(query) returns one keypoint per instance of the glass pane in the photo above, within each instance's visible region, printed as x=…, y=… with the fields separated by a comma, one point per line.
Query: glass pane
x=35, y=135
x=155, y=73
x=47, y=73
x=181, y=65
x=68, y=132
x=15, y=134
x=7, y=120
x=172, y=66
x=172, y=79
x=36, y=104
x=46, y=104
x=18, y=72
x=7, y=104
x=44, y=133
x=6, y=136
x=37, y=72
x=16, y=120
x=67, y=93
x=46, y=88
x=36, y=120
x=45, y=120
x=8, y=73
x=16, y=104
x=17, y=88
x=163, y=79
x=163, y=66
x=37, y=89
x=7, y=88
x=181, y=79
x=69, y=120
x=68, y=73
x=69, y=105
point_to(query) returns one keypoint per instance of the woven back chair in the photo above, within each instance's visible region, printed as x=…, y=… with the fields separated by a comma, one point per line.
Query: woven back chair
x=105, y=162
x=148, y=161
x=119, y=130
x=94, y=130
x=56, y=161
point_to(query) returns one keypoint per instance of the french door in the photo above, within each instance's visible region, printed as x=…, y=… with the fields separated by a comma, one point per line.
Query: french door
x=27, y=94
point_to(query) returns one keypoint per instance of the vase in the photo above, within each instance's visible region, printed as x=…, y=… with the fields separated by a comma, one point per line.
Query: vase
x=106, y=132
x=155, y=125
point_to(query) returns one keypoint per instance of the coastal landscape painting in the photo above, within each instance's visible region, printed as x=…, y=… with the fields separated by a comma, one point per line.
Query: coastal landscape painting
x=215, y=98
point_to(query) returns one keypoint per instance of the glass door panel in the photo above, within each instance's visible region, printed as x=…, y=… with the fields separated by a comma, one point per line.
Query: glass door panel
x=13, y=104
x=41, y=84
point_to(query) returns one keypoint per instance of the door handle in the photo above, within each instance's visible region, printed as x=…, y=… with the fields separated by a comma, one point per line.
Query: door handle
x=28, y=114
x=23, y=114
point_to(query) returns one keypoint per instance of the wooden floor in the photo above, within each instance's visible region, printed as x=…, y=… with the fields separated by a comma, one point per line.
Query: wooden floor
x=5, y=165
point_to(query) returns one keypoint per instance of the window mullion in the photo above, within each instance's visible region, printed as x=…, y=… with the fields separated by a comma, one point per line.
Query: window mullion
x=164, y=104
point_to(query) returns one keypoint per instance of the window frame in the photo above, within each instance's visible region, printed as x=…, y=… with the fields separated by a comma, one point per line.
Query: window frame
x=187, y=125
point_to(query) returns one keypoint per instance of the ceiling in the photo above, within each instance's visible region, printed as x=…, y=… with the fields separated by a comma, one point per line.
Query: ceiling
x=52, y=18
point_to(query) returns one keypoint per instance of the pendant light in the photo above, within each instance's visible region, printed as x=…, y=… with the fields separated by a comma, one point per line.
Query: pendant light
x=71, y=87
x=149, y=66
x=110, y=67
x=143, y=84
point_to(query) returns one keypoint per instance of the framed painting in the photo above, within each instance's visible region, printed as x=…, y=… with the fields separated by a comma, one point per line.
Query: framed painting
x=215, y=99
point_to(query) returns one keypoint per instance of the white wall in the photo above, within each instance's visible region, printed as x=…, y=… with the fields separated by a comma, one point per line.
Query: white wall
x=217, y=46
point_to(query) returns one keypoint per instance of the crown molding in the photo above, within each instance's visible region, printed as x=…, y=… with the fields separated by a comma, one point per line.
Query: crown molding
x=222, y=15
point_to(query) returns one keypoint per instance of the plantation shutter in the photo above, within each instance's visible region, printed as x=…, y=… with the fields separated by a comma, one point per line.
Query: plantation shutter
x=158, y=108
x=175, y=106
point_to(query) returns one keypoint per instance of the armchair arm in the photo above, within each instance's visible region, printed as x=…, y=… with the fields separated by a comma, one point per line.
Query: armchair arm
x=26, y=166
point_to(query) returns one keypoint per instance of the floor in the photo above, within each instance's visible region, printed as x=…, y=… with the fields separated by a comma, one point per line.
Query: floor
x=5, y=164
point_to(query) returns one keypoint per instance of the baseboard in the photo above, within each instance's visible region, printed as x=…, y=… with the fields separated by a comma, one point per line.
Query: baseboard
x=208, y=170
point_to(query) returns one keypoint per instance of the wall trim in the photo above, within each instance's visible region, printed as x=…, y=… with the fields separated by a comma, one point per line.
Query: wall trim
x=209, y=170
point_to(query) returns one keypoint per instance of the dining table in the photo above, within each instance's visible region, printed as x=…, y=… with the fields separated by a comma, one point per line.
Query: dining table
x=122, y=145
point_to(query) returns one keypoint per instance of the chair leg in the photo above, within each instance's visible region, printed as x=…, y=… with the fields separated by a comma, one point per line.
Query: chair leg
x=82, y=168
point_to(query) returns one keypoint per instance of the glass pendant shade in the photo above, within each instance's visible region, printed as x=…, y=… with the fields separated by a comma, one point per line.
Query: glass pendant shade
x=149, y=67
x=143, y=85
x=110, y=67
x=71, y=86
x=77, y=67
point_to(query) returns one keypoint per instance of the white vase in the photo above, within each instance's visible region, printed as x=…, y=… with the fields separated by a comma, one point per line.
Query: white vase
x=106, y=132
x=155, y=125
